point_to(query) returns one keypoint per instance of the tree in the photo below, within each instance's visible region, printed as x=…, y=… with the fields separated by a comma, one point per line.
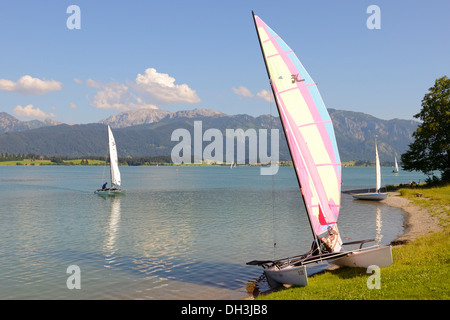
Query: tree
x=430, y=150
x=56, y=160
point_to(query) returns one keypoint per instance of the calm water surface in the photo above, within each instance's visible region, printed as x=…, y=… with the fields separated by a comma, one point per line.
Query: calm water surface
x=178, y=233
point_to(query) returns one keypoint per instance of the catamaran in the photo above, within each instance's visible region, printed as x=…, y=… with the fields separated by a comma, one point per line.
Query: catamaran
x=377, y=195
x=312, y=144
x=114, y=169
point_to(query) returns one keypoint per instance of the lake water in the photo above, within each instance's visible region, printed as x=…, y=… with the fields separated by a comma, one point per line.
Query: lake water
x=178, y=233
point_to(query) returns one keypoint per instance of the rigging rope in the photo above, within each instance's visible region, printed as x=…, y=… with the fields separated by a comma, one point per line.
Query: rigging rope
x=104, y=167
x=273, y=184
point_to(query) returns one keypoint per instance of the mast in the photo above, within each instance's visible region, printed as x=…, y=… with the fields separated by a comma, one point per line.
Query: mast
x=378, y=169
x=110, y=157
x=284, y=130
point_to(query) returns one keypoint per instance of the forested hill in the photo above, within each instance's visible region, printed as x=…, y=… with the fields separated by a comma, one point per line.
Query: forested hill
x=141, y=134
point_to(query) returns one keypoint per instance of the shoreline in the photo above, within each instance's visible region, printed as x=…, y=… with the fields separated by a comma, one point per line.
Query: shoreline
x=419, y=222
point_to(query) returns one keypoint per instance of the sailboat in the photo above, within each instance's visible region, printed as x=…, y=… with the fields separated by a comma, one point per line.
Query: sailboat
x=395, y=165
x=114, y=169
x=377, y=195
x=312, y=144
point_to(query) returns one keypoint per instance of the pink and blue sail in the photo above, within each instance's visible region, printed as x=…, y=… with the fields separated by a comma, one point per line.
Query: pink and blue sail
x=308, y=128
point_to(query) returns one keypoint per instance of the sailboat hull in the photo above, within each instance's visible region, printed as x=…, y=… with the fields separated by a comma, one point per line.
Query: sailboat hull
x=109, y=192
x=363, y=258
x=370, y=196
x=293, y=275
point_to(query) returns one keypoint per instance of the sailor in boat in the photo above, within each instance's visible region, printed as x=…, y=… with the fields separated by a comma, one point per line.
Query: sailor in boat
x=104, y=186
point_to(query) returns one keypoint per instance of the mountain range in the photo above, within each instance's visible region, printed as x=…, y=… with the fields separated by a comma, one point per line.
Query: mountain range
x=147, y=132
x=8, y=123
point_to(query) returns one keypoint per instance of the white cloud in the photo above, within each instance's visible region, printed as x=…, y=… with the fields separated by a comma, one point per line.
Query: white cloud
x=30, y=112
x=265, y=94
x=29, y=85
x=148, y=89
x=243, y=91
x=116, y=96
x=78, y=80
x=72, y=105
x=161, y=88
x=93, y=84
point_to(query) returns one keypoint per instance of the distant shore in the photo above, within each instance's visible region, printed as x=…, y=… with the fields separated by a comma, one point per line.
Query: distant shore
x=95, y=162
x=125, y=162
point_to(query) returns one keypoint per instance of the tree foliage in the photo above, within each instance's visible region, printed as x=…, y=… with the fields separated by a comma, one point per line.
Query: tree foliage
x=430, y=150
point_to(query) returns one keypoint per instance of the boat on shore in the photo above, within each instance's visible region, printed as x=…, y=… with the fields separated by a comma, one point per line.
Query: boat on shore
x=377, y=195
x=312, y=144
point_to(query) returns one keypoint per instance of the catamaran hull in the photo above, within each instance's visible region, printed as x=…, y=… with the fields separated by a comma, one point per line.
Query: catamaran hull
x=293, y=275
x=363, y=258
x=370, y=196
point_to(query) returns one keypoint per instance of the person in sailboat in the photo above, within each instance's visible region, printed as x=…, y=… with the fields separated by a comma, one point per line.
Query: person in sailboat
x=104, y=186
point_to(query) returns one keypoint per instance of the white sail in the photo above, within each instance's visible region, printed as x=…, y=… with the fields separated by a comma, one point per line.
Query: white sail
x=377, y=164
x=396, y=165
x=114, y=163
x=377, y=195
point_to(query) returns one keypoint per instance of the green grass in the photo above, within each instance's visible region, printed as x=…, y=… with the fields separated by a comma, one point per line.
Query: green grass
x=438, y=195
x=26, y=162
x=435, y=199
x=421, y=268
x=29, y=162
x=77, y=162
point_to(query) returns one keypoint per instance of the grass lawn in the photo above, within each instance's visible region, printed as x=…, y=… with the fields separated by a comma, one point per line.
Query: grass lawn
x=26, y=162
x=29, y=162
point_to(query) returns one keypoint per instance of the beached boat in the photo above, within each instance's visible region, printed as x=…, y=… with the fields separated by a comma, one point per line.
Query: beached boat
x=377, y=195
x=312, y=144
x=114, y=189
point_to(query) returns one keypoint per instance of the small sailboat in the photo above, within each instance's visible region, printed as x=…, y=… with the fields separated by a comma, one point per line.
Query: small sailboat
x=114, y=170
x=377, y=195
x=312, y=144
x=395, y=166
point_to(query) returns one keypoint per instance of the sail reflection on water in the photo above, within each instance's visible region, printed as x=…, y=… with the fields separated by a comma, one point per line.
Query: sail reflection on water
x=379, y=224
x=109, y=246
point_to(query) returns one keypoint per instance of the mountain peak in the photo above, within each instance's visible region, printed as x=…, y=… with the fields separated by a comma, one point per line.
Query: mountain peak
x=198, y=113
x=146, y=116
x=135, y=117
x=9, y=123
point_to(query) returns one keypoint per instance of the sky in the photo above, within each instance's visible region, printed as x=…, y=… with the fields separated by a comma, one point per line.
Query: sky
x=114, y=56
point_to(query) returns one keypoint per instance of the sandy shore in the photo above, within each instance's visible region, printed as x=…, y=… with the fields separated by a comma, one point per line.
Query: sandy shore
x=419, y=222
